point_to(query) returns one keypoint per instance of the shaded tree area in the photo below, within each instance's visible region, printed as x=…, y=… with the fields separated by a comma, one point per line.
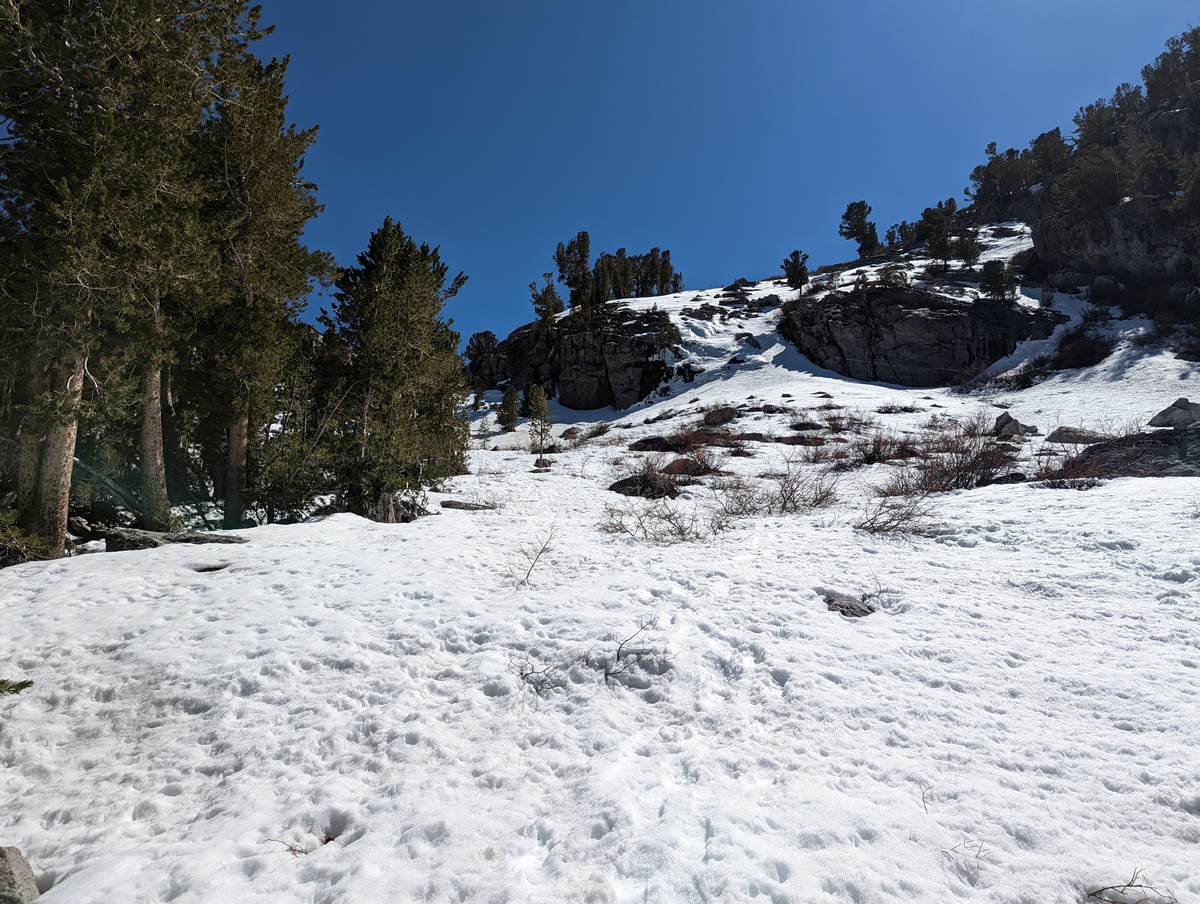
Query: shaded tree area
x=152, y=269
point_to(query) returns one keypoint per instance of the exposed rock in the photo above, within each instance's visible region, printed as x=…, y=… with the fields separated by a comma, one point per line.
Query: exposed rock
x=1164, y=453
x=571, y=433
x=647, y=486
x=119, y=539
x=1145, y=241
x=1180, y=414
x=654, y=444
x=17, y=884
x=1007, y=425
x=723, y=414
x=467, y=506
x=847, y=605
x=687, y=467
x=616, y=358
x=909, y=336
x=1077, y=436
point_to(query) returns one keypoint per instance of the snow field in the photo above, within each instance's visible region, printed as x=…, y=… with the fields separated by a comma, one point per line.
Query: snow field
x=334, y=711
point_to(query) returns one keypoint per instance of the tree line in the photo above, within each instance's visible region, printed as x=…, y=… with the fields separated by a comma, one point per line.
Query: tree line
x=152, y=273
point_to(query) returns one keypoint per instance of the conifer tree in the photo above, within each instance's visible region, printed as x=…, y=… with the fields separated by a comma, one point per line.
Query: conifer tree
x=96, y=178
x=400, y=372
x=998, y=281
x=547, y=303
x=258, y=204
x=856, y=227
x=795, y=269
x=539, y=419
x=510, y=409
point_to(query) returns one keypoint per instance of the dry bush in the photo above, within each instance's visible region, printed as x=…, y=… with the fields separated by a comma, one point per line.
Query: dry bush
x=876, y=448
x=896, y=515
x=898, y=409
x=791, y=490
x=17, y=546
x=951, y=455
x=736, y=497
x=802, y=422
x=635, y=652
x=660, y=521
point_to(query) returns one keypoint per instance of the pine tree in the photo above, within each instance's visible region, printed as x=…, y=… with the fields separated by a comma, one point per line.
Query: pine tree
x=510, y=409
x=795, y=269
x=547, y=303
x=257, y=207
x=400, y=372
x=998, y=281
x=96, y=179
x=539, y=419
x=856, y=227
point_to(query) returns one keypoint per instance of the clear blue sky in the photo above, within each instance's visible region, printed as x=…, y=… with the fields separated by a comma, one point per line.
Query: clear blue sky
x=730, y=133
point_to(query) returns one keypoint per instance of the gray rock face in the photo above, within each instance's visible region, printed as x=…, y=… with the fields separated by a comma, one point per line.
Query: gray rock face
x=1180, y=414
x=909, y=336
x=17, y=885
x=615, y=359
x=1166, y=453
x=1142, y=241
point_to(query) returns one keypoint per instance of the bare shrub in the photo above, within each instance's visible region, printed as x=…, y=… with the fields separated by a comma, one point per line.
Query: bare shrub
x=636, y=651
x=876, y=448
x=540, y=677
x=660, y=521
x=737, y=497
x=898, y=409
x=791, y=490
x=530, y=554
x=1136, y=890
x=896, y=515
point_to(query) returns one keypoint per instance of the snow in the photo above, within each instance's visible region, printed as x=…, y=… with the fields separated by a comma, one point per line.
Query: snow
x=334, y=711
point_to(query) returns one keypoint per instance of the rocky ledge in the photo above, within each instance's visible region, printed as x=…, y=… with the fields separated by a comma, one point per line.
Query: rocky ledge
x=615, y=358
x=909, y=336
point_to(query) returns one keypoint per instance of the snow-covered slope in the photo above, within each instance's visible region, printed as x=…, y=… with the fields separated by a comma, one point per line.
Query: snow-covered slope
x=341, y=711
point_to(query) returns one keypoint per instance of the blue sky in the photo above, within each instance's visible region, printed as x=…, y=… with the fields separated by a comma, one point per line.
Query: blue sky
x=730, y=133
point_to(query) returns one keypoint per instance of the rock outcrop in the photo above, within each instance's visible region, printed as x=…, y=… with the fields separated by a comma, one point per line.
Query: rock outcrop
x=1145, y=240
x=1164, y=453
x=909, y=336
x=617, y=358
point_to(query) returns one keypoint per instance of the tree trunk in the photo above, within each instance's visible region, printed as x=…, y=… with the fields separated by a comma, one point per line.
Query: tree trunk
x=236, y=467
x=47, y=516
x=156, y=504
x=174, y=455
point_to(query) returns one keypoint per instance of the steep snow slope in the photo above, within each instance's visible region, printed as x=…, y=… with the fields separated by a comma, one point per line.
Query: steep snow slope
x=347, y=712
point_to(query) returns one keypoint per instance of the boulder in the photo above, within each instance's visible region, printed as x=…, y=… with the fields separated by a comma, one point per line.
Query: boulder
x=847, y=605
x=1007, y=425
x=1180, y=414
x=1077, y=436
x=907, y=335
x=1164, y=453
x=648, y=486
x=17, y=884
x=120, y=539
x=722, y=414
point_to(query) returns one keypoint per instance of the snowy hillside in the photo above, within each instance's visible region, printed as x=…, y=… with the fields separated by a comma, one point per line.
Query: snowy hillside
x=524, y=703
